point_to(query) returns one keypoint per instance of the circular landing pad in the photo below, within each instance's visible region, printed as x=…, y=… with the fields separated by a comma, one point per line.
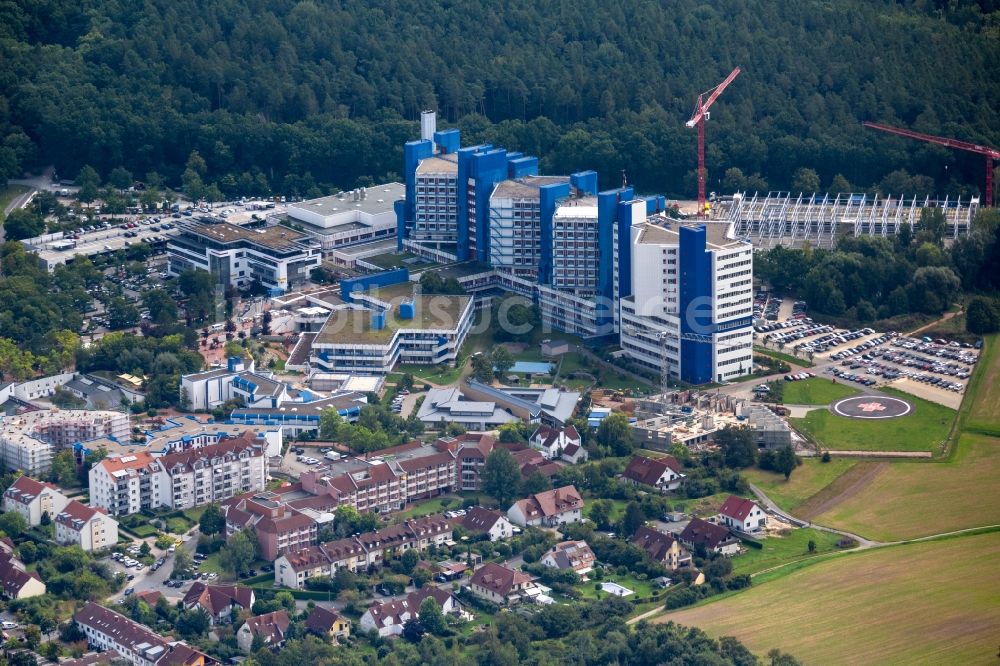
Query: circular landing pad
x=872, y=407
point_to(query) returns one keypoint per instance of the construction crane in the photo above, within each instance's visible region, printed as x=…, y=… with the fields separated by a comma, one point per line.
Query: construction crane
x=698, y=118
x=990, y=153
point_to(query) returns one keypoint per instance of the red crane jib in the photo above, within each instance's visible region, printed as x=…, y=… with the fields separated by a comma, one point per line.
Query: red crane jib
x=698, y=120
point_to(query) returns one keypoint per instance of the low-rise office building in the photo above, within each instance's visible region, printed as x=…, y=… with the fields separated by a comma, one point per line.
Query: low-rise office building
x=363, y=215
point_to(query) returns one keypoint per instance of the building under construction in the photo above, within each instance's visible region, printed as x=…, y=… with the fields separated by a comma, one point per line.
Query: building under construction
x=781, y=218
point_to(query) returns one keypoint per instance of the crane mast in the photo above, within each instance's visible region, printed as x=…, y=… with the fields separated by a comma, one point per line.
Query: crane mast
x=698, y=118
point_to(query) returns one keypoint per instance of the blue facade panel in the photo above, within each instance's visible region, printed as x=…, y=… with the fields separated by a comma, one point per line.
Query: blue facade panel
x=448, y=140
x=548, y=197
x=624, y=223
x=366, y=282
x=522, y=166
x=489, y=168
x=413, y=152
x=695, y=302
x=607, y=218
x=584, y=181
x=399, y=208
x=462, y=200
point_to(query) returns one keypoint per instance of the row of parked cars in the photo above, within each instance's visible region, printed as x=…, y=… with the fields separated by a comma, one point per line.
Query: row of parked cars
x=918, y=362
x=807, y=331
x=851, y=377
x=766, y=308
x=864, y=346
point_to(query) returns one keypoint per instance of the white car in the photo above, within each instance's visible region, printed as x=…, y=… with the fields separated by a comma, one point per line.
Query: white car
x=7, y=624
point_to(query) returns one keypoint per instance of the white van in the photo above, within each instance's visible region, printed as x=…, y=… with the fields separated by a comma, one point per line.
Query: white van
x=333, y=455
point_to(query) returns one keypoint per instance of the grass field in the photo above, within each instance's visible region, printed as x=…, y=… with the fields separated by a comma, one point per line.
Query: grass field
x=642, y=588
x=808, y=479
x=911, y=499
x=781, y=356
x=816, y=391
x=7, y=195
x=921, y=430
x=916, y=604
x=780, y=549
x=984, y=413
x=436, y=374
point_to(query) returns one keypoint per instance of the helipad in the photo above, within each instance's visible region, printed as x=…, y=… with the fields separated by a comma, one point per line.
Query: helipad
x=872, y=407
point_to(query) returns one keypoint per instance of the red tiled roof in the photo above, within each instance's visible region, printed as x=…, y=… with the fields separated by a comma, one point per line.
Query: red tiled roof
x=498, y=579
x=76, y=515
x=656, y=544
x=479, y=520
x=25, y=487
x=699, y=531
x=648, y=471
x=13, y=577
x=216, y=598
x=737, y=507
x=231, y=446
x=293, y=521
x=270, y=626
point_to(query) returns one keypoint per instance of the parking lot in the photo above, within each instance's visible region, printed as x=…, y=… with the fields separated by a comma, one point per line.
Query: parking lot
x=936, y=370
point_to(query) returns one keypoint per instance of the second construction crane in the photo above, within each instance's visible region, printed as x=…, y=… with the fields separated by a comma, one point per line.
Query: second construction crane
x=698, y=118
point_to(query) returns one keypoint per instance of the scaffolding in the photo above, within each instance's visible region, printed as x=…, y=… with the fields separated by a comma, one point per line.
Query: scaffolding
x=781, y=218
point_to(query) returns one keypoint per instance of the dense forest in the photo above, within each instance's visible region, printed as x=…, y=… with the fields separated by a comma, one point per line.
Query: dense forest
x=298, y=96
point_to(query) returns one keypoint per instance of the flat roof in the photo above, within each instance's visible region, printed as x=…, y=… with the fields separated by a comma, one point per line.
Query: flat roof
x=581, y=207
x=464, y=269
x=526, y=187
x=437, y=165
x=387, y=244
x=354, y=326
x=275, y=238
x=716, y=234
x=378, y=199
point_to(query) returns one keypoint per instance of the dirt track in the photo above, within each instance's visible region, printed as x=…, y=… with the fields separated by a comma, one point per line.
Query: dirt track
x=845, y=487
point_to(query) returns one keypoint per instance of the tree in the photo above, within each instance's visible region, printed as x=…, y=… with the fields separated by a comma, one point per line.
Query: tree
x=331, y=425
x=502, y=361
x=982, y=316
x=933, y=288
x=840, y=185
x=501, y=477
x=634, y=518
x=482, y=367
x=183, y=563
x=615, y=434
x=22, y=223
x=536, y=483
x=89, y=181
x=212, y=520
x=238, y=553
x=811, y=546
x=785, y=462
x=737, y=445
x=13, y=524
x=432, y=618
x=62, y=469
x=122, y=314
x=408, y=560
x=161, y=305
x=120, y=178
x=413, y=630
x=600, y=513
x=805, y=181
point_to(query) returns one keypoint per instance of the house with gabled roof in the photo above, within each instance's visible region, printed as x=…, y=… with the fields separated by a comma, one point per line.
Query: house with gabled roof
x=32, y=499
x=219, y=601
x=486, y=522
x=662, y=474
x=553, y=442
x=16, y=582
x=663, y=548
x=713, y=538
x=551, y=508
x=742, y=515
x=88, y=527
x=502, y=585
x=270, y=628
x=139, y=645
x=328, y=623
x=575, y=555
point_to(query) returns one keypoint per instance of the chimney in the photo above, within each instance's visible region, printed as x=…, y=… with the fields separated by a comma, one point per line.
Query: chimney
x=428, y=125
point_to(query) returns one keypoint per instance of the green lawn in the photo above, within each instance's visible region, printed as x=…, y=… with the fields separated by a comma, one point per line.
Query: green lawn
x=642, y=588
x=781, y=356
x=922, y=430
x=7, y=195
x=436, y=374
x=925, y=603
x=436, y=505
x=816, y=391
x=780, y=549
x=178, y=525
x=983, y=414
x=617, y=508
x=808, y=479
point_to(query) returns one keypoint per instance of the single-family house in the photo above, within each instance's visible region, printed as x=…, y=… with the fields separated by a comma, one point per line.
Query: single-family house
x=219, y=601
x=487, y=522
x=575, y=555
x=328, y=623
x=32, y=499
x=662, y=474
x=502, y=585
x=16, y=582
x=742, y=515
x=553, y=441
x=713, y=538
x=551, y=508
x=270, y=628
x=663, y=548
x=387, y=618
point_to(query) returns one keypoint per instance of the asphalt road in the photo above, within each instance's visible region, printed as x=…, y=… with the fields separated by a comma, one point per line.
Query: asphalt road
x=153, y=580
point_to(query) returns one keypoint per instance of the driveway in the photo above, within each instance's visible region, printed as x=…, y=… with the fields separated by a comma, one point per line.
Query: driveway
x=146, y=579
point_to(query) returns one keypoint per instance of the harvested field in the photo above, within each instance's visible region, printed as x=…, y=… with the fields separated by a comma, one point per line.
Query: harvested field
x=898, y=605
x=843, y=488
x=809, y=478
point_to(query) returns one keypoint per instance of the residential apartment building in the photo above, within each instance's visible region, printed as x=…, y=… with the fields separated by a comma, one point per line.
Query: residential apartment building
x=357, y=553
x=136, y=643
x=691, y=302
x=89, y=528
x=29, y=440
x=278, y=257
x=32, y=499
x=180, y=480
x=280, y=528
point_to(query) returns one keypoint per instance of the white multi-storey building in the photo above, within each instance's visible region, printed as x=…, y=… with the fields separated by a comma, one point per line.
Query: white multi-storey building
x=87, y=527
x=129, y=484
x=32, y=499
x=28, y=441
x=691, y=307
